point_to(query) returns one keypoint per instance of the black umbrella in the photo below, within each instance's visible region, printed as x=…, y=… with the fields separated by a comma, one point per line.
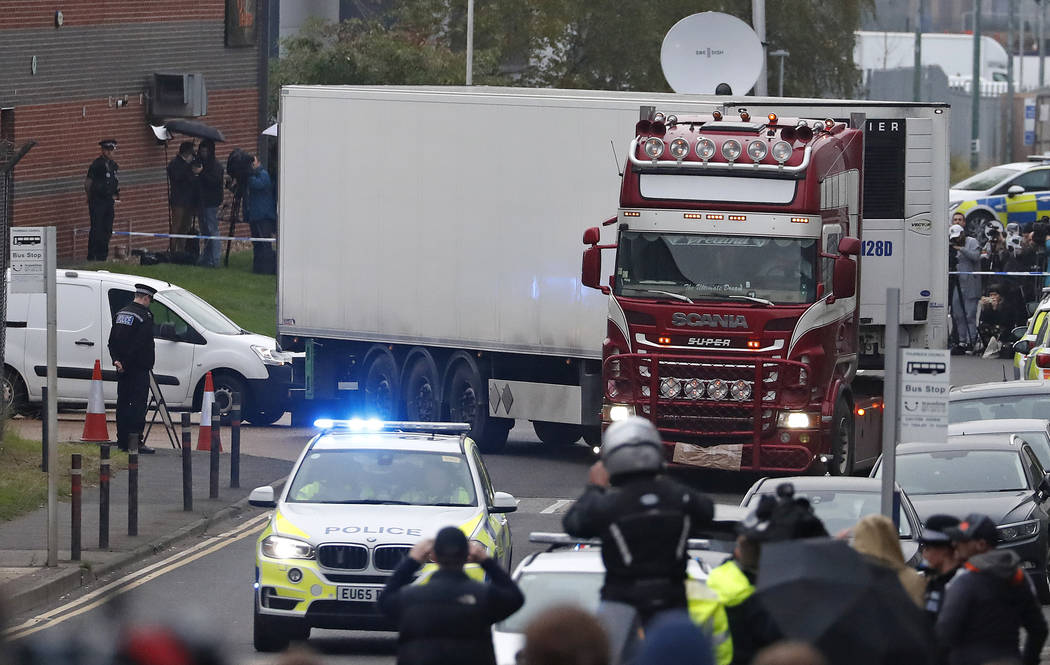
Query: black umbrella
x=194, y=128
x=855, y=611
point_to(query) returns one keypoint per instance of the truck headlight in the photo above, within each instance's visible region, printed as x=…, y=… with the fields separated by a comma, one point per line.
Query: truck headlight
x=1018, y=530
x=614, y=412
x=280, y=547
x=270, y=356
x=793, y=419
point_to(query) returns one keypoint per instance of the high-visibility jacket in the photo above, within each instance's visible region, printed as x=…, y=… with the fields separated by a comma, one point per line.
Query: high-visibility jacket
x=707, y=610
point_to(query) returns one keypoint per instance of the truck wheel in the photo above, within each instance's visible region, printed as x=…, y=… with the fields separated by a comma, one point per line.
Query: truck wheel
x=13, y=396
x=557, y=434
x=265, y=416
x=422, y=397
x=382, y=388
x=467, y=404
x=225, y=386
x=842, y=439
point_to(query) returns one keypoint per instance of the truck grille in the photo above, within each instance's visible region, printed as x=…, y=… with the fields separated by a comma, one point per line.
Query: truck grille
x=343, y=557
x=388, y=558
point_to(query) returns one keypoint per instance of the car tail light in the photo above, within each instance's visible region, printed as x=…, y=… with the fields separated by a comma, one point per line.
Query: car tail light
x=1042, y=360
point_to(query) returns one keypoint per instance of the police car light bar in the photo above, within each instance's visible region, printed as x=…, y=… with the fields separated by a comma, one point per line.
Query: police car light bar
x=376, y=425
x=565, y=540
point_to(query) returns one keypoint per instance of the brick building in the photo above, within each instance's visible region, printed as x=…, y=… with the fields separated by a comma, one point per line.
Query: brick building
x=73, y=72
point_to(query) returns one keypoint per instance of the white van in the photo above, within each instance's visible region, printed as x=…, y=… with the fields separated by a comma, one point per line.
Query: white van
x=192, y=338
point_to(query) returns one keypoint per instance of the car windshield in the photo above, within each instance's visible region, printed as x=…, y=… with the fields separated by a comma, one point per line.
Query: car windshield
x=1038, y=440
x=986, y=179
x=201, y=312
x=960, y=471
x=841, y=510
x=546, y=590
x=383, y=477
x=715, y=267
x=998, y=407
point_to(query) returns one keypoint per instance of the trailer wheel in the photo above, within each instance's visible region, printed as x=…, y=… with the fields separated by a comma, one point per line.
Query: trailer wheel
x=422, y=395
x=842, y=439
x=557, y=434
x=467, y=403
x=382, y=389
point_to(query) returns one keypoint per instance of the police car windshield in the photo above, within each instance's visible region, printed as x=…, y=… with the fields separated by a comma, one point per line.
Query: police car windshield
x=706, y=267
x=383, y=477
x=841, y=510
x=546, y=590
x=201, y=312
x=986, y=179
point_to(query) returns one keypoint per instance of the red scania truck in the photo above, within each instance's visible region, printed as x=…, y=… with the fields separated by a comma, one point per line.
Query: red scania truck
x=735, y=315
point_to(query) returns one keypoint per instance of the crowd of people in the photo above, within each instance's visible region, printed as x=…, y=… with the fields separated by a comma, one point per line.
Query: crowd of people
x=986, y=308
x=197, y=182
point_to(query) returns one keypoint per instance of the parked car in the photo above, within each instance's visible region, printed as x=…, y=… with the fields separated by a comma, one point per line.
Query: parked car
x=192, y=338
x=1001, y=478
x=1016, y=192
x=1033, y=430
x=840, y=502
x=998, y=400
x=1032, y=340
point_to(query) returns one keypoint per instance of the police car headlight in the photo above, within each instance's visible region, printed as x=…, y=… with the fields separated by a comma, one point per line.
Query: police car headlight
x=270, y=356
x=279, y=547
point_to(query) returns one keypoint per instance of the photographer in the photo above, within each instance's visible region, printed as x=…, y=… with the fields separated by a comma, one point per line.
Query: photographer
x=997, y=319
x=260, y=211
x=963, y=289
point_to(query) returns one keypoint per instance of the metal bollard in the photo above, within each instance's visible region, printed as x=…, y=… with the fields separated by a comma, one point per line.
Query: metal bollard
x=187, y=463
x=75, y=488
x=213, y=479
x=103, y=496
x=133, y=484
x=235, y=442
x=43, y=431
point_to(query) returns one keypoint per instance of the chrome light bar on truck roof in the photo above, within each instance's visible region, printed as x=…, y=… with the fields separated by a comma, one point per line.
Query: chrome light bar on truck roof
x=376, y=425
x=716, y=166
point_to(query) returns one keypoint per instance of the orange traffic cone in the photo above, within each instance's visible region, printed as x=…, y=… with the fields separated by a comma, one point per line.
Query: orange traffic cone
x=95, y=428
x=207, y=404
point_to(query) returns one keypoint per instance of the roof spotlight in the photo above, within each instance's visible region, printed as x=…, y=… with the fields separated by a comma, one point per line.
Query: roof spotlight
x=781, y=151
x=654, y=147
x=757, y=150
x=705, y=148
x=731, y=149
x=679, y=148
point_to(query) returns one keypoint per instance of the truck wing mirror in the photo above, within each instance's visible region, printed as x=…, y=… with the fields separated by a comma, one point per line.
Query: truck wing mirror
x=591, y=274
x=844, y=282
x=849, y=246
x=592, y=236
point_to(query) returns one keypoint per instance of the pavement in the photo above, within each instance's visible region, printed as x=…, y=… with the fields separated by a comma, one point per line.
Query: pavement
x=27, y=582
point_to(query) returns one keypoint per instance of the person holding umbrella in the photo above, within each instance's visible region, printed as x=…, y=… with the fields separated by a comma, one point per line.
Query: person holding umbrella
x=988, y=602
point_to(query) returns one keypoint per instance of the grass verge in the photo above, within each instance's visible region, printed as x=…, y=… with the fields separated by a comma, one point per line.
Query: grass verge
x=23, y=486
x=249, y=299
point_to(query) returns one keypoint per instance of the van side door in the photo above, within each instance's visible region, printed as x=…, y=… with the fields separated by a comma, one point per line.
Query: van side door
x=79, y=339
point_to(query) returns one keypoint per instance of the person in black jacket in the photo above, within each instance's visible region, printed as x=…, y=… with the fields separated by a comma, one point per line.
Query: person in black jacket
x=940, y=563
x=643, y=519
x=182, y=194
x=209, y=178
x=102, y=189
x=988, y=602
x=449, y=618
x=132, y=349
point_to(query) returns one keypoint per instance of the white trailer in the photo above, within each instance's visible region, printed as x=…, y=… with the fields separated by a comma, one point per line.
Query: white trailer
x=430, y=243
x=953, y=53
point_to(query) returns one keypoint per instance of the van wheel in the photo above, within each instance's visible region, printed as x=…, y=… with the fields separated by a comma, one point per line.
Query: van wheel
x=382, y=389
x=842, y=439
x=422, y=397
x=13, y=396
x=467, y=403
x=225, y=386
x=557, y=434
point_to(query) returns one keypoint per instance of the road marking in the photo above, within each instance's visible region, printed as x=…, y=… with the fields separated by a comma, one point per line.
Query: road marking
x=554, y=507
x=104, y=594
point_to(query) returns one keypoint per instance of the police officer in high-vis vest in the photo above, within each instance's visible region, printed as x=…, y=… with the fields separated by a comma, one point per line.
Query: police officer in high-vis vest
x=132, y=349
x=102, y=189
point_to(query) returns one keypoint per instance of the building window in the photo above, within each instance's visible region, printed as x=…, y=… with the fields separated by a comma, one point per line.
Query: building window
x=240, y=23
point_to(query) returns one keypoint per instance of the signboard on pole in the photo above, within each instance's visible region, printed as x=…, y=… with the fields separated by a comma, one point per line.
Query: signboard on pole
x=28, y=248
x=924, y=395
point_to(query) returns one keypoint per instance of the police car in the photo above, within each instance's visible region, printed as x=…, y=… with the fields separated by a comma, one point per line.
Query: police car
x=359, y=496
x=1035, y=340
x=1017, y=192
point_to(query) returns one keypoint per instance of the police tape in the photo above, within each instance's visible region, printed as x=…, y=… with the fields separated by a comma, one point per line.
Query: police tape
x=190, y=237
x=1010, y=274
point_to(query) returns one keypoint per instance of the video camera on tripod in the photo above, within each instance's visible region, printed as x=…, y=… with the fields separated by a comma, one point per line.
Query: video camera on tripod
x=239, y=167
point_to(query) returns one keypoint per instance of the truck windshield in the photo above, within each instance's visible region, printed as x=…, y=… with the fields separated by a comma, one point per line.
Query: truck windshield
x=702, y=267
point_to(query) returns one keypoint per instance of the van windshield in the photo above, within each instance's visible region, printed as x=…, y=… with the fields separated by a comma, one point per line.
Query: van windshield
x=200, y=311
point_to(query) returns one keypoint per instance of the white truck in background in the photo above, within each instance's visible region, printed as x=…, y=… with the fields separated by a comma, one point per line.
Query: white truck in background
x=953, y=53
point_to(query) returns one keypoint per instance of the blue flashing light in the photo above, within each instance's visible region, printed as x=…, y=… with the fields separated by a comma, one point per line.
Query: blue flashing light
x=378, y=425
x=324, y=423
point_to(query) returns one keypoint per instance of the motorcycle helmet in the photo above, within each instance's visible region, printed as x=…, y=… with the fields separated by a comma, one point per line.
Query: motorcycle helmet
x=631, y=446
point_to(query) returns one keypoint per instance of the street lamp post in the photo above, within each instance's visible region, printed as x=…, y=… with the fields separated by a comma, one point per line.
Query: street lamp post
x=470, y=42
x=780, y=53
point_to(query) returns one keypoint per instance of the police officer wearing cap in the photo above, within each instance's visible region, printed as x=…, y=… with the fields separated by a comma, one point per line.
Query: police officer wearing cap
x=643, y=519
x=988, y=602
x=102, y=189
x=940, y=564
x=449, y=619
x=132, y=349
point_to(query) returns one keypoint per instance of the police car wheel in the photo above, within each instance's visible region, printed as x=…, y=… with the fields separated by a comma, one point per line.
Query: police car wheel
x=976, y=222
x=842, y=439
x=270, y=634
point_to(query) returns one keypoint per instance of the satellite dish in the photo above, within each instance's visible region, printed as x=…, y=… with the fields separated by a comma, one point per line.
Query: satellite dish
x=703, y=50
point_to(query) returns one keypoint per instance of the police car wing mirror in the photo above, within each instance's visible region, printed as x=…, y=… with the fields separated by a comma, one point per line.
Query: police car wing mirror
x=849, y=246
x=1022, y=346
x=262, y=497
x=503, y=503
x=844, y=280
x=1019, y=332
x=1014, y=190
